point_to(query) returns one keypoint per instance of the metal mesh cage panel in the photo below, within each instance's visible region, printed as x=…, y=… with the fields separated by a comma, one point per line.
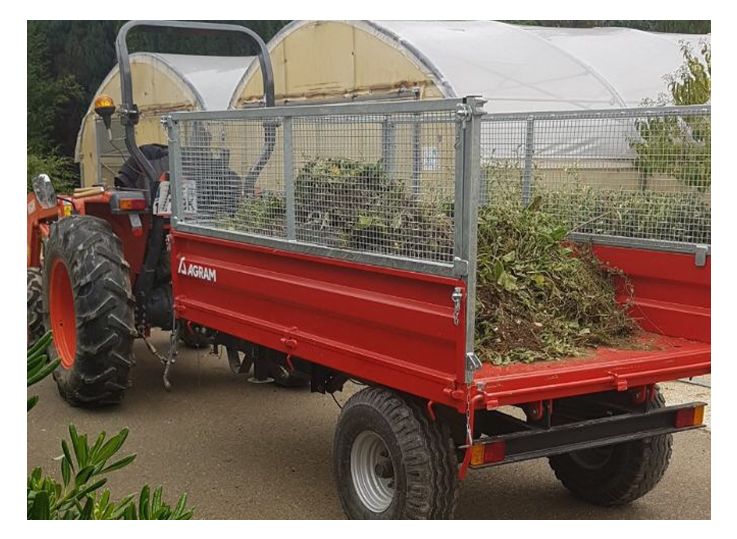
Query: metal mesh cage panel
x=380, y=183
x=643, y=175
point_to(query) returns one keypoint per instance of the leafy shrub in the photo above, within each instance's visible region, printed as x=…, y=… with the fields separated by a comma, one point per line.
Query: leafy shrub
x=680, y=146
x=78, y=496
x=59, y=169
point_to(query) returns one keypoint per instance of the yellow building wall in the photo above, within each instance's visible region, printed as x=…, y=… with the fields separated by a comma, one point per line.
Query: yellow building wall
x=156, y=90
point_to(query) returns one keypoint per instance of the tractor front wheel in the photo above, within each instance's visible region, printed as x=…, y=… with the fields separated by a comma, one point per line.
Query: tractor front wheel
x=88, y=306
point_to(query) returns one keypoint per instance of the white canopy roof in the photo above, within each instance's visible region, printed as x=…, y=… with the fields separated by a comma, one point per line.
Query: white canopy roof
x=212, y=78
x=526, y=68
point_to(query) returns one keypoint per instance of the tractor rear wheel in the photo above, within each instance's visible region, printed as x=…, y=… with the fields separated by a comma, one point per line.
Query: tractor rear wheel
x=34, y=305
x=615, y=474
x=391, y=461
x=88, y=306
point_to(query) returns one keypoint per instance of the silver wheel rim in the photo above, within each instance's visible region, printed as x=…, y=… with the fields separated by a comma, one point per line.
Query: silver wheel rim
x=372, y=471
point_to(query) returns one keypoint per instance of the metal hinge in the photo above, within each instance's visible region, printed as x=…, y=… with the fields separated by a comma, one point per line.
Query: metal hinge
x=473, y=363
x=700, y=255
x=457, y=298
x=464, y=112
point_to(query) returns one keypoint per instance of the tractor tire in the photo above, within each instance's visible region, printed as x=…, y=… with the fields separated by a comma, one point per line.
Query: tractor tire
x=616, y=474
x=34, y=305
x=88, y=306
x=391, y=461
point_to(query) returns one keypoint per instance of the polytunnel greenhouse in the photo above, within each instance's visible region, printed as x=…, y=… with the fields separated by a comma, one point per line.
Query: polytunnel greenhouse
x=162, y=83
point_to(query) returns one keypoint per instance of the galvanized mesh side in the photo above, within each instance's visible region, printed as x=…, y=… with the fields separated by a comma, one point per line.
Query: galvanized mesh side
x=226, y=167
x=642, y=175
x=378, y=183
x=362, y=183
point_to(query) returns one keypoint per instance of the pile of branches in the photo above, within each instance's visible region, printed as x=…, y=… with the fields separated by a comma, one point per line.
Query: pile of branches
x=537, y=299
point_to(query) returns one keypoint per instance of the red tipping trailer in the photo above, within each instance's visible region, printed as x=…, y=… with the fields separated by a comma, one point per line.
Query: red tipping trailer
x=403, y=325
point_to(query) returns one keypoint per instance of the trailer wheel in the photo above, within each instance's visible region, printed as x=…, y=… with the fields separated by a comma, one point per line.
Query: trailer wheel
x=616, y=474
x=391, y=461
x=88, y=305
x=34, y=305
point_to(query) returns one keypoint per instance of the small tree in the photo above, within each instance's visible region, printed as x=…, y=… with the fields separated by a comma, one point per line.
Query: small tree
x=680, y=146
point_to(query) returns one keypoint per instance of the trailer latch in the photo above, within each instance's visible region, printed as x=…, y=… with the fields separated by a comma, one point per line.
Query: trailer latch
x=457, y=297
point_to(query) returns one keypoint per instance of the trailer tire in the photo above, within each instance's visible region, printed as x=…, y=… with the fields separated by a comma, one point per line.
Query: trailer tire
x=88, y=305
x=623, y=473
x=378, y=429
x=34, y=305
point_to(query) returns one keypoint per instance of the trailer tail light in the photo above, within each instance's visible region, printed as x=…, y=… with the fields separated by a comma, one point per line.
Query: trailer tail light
x=689, y=417
x=132, y=204
x=488, y=453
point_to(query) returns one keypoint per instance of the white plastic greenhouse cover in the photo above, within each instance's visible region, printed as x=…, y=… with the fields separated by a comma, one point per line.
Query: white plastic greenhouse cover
x=527, y=68
x=212, y=78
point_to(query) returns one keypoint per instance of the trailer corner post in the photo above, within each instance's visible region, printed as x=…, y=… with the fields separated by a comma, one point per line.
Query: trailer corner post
x=175, y=166
x=289, y=180
x=469, y=153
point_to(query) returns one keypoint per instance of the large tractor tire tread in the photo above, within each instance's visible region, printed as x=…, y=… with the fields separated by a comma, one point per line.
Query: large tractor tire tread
x=104, y=308
x=34, y=305
x=634, y=469
x=426, y=460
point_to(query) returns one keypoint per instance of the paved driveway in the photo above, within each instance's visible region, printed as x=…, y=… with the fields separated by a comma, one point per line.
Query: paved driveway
x=256, y=451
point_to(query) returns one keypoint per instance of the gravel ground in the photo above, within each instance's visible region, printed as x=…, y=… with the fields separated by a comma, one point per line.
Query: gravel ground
x=248, y=451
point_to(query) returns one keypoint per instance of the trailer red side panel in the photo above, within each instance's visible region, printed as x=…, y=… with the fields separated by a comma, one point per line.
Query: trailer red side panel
x=388, y=326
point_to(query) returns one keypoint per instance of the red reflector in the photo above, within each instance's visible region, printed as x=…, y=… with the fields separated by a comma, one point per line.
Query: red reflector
x=132, y=204
x=685, y=417
x=494, y=452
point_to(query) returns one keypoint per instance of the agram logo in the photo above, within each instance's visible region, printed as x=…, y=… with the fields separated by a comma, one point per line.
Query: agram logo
x=197, y=271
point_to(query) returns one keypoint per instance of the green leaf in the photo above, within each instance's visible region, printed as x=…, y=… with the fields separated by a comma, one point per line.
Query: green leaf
x=143, y=508
x=510, y=256
x=43, y=373
x=41, y=507
x=32, y=402
x=67, y=454
x=507, y=281
x=91, y=488
x=66, y=471
x=112, y=446
x=86, y=513
x=117, y=465
x=84, y=475
x=40, y=345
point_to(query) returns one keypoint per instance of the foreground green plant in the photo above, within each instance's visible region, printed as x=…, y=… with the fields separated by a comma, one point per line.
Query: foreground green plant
x=84, y=470
x=39, y=366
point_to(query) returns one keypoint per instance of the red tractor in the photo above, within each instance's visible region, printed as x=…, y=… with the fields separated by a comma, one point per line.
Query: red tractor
x=98, y=262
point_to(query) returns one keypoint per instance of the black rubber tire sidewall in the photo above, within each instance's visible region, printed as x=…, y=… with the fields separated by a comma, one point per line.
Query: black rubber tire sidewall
x=632, y=470
x=34, y=306
x=421, y=452
x=102, y=295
